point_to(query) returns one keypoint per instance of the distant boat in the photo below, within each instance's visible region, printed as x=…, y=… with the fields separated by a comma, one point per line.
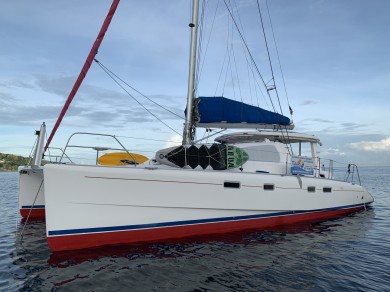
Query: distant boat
x=31, y=188
x=181, y=193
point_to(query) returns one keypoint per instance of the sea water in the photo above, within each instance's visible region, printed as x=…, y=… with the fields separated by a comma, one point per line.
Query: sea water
x=351, y=253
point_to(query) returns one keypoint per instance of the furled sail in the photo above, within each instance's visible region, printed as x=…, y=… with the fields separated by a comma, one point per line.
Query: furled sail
x=221, y=112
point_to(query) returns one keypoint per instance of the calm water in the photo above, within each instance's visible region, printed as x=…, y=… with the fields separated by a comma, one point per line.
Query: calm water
x=350, y=253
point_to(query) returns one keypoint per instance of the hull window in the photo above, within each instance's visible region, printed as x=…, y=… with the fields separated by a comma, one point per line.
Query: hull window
x=231, y=184
x=269, y=187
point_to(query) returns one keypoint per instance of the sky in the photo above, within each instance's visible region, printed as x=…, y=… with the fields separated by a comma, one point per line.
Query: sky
x=334, y=55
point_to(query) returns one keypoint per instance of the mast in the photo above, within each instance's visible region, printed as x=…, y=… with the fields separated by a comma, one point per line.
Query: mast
x=84, y=70
x=188, y=127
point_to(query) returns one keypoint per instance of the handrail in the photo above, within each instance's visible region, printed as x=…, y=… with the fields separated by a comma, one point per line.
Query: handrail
x=56, y=156
x=328, y=171
x=350, y=173
x=93, y=147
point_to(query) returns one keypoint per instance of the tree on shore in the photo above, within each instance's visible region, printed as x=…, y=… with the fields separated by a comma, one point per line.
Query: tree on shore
x=10, y=162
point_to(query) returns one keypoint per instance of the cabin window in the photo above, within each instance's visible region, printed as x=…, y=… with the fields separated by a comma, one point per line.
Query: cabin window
x=231, y=184
x=327, y=190
x=269, y=187
x=265, y=153
x=311, y=189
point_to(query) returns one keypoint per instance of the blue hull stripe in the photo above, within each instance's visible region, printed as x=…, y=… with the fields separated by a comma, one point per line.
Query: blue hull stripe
x=188, y=222
x=33, y=207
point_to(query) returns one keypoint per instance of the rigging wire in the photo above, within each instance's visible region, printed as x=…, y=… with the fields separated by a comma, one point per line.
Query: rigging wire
x=112, y=75
x=277, y=54
x=250, y=54
x=255, y=80
x=235, y=67
x=199, y=46
x=269, y=59
x=229, y=48
x=231, y=74
x=273, y=77
x=32, y=150
x=208, y=40
x=48, y=148
x=143, y=95
x=220, y=73
x=245, y=54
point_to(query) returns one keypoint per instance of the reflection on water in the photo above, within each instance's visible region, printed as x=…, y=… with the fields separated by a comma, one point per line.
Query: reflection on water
x=347, y=253
x=295, y=257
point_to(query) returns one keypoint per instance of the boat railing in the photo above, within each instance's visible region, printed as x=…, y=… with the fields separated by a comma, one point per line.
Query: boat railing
x=98, y=149
x=352, y=174
x=326, y=168
x=53, y=158
x=332, y=169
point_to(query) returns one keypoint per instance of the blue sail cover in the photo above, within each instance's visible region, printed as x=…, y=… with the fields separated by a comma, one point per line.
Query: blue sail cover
x=218, y=109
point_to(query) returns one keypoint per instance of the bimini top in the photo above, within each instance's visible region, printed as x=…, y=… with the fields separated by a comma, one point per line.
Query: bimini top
x=220, y=112
x=279, y=136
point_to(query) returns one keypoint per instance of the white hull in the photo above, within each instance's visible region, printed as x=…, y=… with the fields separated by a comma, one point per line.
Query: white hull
x=31, y=192
x=91, y=201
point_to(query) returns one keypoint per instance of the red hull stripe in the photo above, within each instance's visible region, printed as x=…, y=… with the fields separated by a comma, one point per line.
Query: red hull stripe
x=78, y=241
x=36, y=212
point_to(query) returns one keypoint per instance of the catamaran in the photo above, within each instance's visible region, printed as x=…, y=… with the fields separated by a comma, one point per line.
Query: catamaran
x=244, y=180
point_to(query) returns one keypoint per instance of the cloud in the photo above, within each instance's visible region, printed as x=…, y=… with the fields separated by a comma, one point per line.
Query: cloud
x=372, y=146
x=308, y=102
x=174, y=140
x=93, y=105
x=16, y=83
x=320, y=121
x=6, y=98
x=18, y=115
x=348, y=127
x=333, y=152
x=59, y=86
x=331, y=126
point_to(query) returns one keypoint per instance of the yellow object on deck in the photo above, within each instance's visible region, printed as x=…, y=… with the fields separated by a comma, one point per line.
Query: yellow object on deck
x=121, y=158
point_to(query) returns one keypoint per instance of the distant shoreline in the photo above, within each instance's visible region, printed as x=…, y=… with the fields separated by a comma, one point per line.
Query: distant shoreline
x=11, y=162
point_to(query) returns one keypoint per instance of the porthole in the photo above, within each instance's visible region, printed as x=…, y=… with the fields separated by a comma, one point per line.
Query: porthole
x=327, y=190
x=311, y=189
